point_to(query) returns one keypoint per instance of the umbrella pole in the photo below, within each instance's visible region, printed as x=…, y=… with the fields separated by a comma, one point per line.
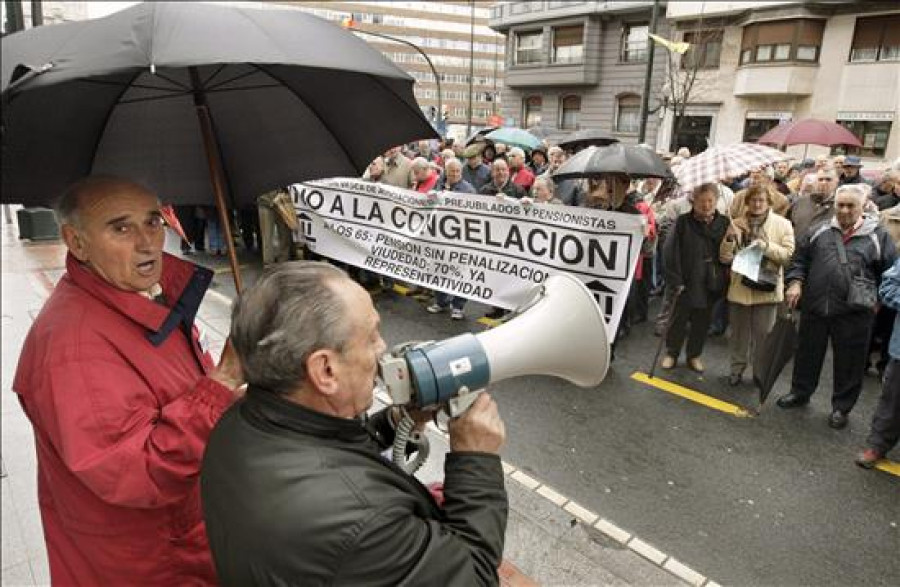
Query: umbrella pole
x=215, y=173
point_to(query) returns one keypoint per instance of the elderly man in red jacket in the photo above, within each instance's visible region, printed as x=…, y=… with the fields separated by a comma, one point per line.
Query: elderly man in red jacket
x=122, y=396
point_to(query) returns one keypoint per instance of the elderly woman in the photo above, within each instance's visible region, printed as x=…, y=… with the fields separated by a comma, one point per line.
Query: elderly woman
x=753, y=304
x=694, y=275
x=542, y=191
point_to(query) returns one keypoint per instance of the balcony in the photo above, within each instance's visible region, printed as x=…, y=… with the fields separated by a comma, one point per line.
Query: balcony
x=570, y=74
x=791, y=79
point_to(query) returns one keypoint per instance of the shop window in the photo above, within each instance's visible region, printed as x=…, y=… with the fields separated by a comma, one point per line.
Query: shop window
x=568, y=44
x=705, y=49
x=876, y=39
x=780, y=41
x=570, y=111
x=531, y=111
x=529, y=47
x=755, y=128
x=635, y=41
x=871, y=133
x=628, y=114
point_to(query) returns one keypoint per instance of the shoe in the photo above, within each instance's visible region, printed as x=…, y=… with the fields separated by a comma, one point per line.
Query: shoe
x=792, y=400
x=668, y=362
x=735, y=379
x=837, y=420
x=457, y=314
x=695, y=365
x=867, y=458
x=496, y=314
x=435, y=309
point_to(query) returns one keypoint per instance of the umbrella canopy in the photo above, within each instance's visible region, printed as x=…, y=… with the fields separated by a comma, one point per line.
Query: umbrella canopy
x=478, y=135
x=809, y=132
x=616, y=158
x=586, y=138
x=287, y=96
x=725, y=161
x=771, y=357
x=514, y=137
x=541, y=132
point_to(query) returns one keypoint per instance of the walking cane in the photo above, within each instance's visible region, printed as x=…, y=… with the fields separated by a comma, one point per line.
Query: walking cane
x=665, y=332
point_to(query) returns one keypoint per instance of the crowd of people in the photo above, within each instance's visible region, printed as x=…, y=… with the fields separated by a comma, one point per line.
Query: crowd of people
x=798, y=216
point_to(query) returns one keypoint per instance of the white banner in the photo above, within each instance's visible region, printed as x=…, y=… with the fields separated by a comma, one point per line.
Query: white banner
x=478, y=247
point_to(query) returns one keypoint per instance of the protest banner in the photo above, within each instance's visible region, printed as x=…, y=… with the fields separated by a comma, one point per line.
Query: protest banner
x=483, y=248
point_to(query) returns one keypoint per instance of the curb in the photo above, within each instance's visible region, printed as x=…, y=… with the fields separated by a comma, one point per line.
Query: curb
x=662, y=560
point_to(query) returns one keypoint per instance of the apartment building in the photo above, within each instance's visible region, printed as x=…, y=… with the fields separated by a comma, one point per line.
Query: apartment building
x=581, y=64
x=454, y=35
x=770, y=62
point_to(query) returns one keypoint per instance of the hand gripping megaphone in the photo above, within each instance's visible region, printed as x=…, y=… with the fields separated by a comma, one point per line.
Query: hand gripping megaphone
x=560, y=331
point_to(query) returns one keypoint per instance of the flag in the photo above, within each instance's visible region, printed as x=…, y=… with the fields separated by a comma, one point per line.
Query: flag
x=679, y=47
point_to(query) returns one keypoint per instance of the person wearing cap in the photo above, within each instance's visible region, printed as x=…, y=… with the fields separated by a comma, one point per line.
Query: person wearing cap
x=849, y=173
x=475, y=171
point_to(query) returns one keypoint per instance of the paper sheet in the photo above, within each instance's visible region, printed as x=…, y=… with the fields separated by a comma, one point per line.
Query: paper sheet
x=747, y=262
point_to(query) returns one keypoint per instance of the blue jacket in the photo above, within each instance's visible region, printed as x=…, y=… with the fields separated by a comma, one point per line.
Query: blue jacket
x=890, y=297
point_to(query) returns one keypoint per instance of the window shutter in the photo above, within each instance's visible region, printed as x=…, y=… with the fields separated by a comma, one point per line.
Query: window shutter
x=891, y=31
x=868, y=33
x=568, y=36
x=811, y=32
x=775, y=33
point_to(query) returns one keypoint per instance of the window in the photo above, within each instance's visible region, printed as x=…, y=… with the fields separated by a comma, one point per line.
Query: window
x=783, y=40
x=876, y=39
x=755, y=128
x=569, y=111
x=529, y=47
x=871, y=133
x=531, y=111
x=635, y=42
x=568, y=44
x=706, y=47
x=628, y=114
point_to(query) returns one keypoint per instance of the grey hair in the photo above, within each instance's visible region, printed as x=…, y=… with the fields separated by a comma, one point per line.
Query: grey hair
x=420, y=163
x=554, y=149
x=517, y=152
x=860, y=190
x=293, y=311
x=454, y=162
x=711, y=188
x=68, y=204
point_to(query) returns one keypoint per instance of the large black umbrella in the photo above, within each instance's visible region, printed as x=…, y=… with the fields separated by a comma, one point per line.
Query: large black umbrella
x=199, y=102
x=617, y=158
x=586, y=138
x=478, y=134
x=773, y=355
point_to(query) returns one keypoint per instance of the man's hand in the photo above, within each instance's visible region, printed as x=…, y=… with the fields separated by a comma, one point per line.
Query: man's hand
x=229, y=371
x=793, y=293
x=479, y=429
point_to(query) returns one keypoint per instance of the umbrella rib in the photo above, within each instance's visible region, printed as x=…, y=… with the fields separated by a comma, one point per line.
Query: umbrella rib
x=260, y=87
x=128, y=85
x=174, y=82
x=213, y=74
x=234, y=79
x=151, y=98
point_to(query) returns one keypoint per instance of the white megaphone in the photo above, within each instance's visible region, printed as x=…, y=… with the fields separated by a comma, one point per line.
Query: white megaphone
x=560, y=331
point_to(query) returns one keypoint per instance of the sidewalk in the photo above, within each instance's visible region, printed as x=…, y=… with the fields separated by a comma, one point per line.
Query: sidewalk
x=549, y=538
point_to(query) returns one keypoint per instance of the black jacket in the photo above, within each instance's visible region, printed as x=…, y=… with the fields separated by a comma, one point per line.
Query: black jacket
x=870, y=252
x=691, y=256
x=296, y=497
x=509, y=189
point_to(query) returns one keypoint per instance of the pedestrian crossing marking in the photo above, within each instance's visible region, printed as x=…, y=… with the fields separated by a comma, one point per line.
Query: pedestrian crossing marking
x=690, y=394
x=888, y=467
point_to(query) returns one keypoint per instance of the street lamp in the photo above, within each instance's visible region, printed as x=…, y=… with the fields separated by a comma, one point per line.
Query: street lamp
x=348, y=23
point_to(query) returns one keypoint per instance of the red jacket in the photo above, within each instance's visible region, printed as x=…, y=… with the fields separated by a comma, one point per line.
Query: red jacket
x=430, y=182
x=522, y=177
x=120, y=425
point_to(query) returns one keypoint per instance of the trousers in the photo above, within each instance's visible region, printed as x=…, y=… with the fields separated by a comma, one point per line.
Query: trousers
x=849, y=335
x=749, y=327
x=698, y=319
x=885, y=432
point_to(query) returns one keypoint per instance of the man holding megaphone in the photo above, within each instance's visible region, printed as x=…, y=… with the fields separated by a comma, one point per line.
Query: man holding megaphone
x=295, y=487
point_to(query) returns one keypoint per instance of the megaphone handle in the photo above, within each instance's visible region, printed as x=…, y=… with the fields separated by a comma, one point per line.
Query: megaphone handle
x=458, y=405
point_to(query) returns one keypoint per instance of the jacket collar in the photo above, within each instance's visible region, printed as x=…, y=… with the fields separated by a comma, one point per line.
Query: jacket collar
x=181, y=283
x=268, y=409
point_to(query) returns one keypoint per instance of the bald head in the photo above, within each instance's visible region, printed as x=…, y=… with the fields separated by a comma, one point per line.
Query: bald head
x=84, y=192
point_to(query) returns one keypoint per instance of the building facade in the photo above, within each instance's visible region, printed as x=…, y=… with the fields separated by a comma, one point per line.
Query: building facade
x=780, y=61
x=457, y=40
x=574, y=65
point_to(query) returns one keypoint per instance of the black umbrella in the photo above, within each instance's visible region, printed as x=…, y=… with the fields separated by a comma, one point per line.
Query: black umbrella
x=587, y=138
x=773, y=355
x=478, y=135
x=617, y=158
x=197, y=101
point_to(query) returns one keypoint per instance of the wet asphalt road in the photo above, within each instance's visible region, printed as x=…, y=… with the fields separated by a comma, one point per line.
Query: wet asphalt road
x=767, y=500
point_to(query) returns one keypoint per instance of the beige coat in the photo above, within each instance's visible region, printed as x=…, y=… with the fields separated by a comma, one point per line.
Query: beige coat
x=890, y=220
x=779, y=237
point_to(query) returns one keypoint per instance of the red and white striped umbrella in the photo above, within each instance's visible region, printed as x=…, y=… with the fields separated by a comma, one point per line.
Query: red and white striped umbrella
x=725, y=161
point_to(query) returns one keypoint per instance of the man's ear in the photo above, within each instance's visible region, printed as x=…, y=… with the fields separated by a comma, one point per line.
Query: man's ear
x=74, y=241
x=321, y=371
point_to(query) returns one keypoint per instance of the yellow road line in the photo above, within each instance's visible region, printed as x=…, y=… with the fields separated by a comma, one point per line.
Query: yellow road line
x=694, y=396
x=489, y=322
x=888, y=467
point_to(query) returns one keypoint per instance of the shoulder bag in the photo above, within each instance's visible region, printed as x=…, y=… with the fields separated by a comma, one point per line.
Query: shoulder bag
x=863, y=293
